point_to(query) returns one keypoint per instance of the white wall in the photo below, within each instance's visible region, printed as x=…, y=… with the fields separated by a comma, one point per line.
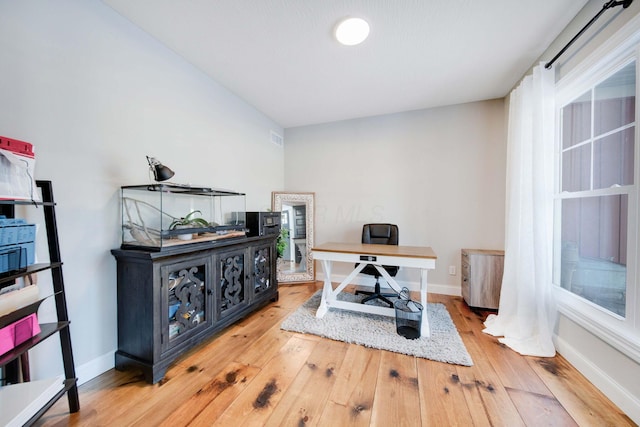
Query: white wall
x=437, y=173
x=94, y=94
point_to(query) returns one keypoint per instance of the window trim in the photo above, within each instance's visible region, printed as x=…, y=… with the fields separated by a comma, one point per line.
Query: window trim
x=621, y=333
x=599, y=322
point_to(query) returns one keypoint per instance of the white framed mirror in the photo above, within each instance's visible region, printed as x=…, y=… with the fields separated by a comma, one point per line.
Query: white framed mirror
x=297, y=210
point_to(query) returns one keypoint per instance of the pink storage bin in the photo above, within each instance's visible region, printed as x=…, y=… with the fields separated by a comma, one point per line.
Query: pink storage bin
x=18, y=332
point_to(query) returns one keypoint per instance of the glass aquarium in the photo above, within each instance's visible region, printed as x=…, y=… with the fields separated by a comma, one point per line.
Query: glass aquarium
x=157, y=216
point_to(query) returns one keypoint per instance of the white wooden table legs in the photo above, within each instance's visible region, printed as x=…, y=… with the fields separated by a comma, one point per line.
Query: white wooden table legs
x=330, y=295
x=424, y=329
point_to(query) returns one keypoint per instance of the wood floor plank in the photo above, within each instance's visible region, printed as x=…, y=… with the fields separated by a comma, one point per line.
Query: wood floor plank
x=540, y=410
x=397, y=399
x=482, y=382
x=293, y=295
x=131, y=400
x=304, y=400
x=261, y=350
x=208, y=402
x=257, y=403
x=465, y=380
x=585, y=403
x=351, y=399
x=441, y=403
x=265, y=347
x=274, y=369
x=229, y=344
x=120, y=387
x=179, y=381
x=513, y=369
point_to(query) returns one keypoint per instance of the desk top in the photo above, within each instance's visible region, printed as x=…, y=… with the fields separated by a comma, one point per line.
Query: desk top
x=369, y=249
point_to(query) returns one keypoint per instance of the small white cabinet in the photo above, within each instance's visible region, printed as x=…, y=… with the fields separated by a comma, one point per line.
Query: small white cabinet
x=482, y=277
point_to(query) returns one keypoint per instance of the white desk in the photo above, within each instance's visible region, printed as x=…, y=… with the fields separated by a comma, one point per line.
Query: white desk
x=421, y=257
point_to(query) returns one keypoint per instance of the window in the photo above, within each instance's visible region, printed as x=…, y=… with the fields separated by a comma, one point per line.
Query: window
x=596, y=199
x=597, y=173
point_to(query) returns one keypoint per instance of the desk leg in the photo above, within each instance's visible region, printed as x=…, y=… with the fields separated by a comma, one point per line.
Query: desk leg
x=327, y=289
x=424, y=330
x=390, y=280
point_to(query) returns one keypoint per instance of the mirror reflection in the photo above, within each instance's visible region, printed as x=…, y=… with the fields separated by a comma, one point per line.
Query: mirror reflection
x=295, y=263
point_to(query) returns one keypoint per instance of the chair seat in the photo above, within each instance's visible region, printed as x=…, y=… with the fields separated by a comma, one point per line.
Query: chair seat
x=372, y=271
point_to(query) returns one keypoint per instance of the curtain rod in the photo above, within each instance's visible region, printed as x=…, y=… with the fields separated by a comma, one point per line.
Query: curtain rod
x=608, y=5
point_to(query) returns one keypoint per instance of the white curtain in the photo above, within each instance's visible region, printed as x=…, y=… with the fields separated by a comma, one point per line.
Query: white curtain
x=526, y=313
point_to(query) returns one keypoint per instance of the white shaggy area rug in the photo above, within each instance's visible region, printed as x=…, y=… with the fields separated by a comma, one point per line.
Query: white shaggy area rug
x=375, y=331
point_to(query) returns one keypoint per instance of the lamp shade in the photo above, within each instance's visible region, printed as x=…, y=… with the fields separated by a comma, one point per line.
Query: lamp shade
x=160, y=171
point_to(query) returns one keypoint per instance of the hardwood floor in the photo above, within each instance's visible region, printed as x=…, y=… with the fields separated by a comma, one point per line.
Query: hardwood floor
x=254, y=374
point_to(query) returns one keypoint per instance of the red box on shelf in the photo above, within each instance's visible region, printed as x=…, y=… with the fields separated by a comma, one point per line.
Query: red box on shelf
x=17, y=164
x=18, y=332
x=16, y=146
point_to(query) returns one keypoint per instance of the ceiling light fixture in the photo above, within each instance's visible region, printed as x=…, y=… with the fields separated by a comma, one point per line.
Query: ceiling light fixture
x=352, y=31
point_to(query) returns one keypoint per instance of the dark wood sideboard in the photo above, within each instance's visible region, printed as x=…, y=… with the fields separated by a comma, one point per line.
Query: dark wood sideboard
x=172, y=300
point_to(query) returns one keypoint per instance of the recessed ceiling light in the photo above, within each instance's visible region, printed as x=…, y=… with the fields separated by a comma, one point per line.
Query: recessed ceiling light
x=352, y=31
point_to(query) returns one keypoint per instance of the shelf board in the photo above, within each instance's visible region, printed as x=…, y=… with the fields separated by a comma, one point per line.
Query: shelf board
x=46, y=330
x=25, y=202
x=20, y=402
x=22, y=312
x=34, y=268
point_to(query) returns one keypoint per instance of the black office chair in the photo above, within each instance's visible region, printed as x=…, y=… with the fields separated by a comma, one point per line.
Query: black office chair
x=381, y=234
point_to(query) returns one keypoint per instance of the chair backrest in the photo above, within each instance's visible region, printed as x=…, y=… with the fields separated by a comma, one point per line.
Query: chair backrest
x=380, y=234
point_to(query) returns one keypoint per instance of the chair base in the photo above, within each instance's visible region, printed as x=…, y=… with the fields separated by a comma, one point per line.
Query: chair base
x=376, y=294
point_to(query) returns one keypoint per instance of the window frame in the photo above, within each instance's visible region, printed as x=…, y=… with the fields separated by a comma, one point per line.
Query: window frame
x=623, y=333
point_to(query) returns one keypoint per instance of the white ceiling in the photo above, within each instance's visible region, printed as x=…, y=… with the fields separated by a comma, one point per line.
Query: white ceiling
x=280, y=55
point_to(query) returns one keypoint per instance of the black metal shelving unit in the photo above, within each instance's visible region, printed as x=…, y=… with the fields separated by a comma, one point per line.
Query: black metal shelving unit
x=12, y=360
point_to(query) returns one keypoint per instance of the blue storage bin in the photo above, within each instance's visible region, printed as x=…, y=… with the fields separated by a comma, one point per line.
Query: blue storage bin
x=8, y=235
x=26, y=233
x=12, y=258
x=16, y=230
x=16, y=257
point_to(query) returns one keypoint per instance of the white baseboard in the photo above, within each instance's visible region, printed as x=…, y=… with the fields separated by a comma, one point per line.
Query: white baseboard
x=625, y=400
x=454, y=290
x=95, y=367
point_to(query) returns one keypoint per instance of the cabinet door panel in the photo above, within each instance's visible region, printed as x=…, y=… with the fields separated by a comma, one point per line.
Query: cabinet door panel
x=263, y=266
x=187, y=305
x=231, y=292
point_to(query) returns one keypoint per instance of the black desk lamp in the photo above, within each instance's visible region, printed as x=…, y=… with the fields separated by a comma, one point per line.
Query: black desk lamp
x=160, y=171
